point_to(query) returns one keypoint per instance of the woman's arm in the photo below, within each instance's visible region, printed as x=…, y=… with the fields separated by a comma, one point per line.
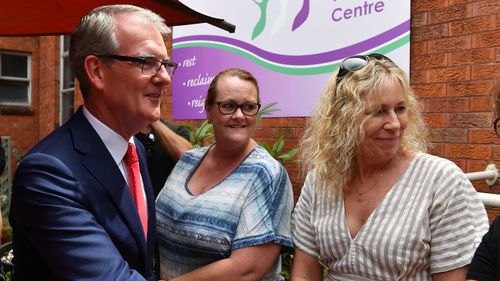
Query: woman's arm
x=306, y=267
x=452, y=275
x=245, y=264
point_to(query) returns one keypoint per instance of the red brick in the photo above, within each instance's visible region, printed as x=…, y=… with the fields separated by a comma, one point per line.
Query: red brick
x=468, y=88
x=456, y=12
x=450, y=74
x=435, y=120
x=437, y=149
x=472, y=56
x=447, y=105
x=485, y=71
x=486, y=39
x=430, y=90
x=417, y=76
x=474, y=165
x=449, y=44
x=480, y=104
x=461, y=163
x=472, y=25
x=482, y=136
x=488, y=7
x=429, y=32
x=428, y=5
x=496, y=154
x=469, y=120
x=492, y=213
x=447, y=135
x=418, y=20
x=429, y=60
x=417, y=48
x=468, y=151
x=457, y=2
x=272, y=122
x=295, y=122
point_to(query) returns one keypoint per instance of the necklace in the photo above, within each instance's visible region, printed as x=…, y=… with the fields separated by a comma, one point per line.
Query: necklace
x=359, y=195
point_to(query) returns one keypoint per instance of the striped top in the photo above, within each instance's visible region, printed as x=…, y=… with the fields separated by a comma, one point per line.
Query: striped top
x=251, y=206
x=430, y=221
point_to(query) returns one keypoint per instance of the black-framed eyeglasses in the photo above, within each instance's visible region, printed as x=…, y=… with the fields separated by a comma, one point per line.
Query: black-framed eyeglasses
x=149, y=66
x=230, y=107
x=496, y=126
x=357, y=62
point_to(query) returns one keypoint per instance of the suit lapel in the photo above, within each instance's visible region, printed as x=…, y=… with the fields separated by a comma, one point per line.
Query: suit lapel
x=101, y=165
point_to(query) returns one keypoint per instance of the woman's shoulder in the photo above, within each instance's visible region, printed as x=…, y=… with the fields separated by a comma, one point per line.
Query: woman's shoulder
x=261, y=155
x=197, y=152
x=436, y=161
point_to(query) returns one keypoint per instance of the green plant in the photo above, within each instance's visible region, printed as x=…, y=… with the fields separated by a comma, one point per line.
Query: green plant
x=17, y=155
x=267, y=109
x=286, y=264
x=201, y=135
x=275, y=151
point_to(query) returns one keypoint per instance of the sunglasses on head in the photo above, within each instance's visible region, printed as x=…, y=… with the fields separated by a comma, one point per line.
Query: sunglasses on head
x=355, y=63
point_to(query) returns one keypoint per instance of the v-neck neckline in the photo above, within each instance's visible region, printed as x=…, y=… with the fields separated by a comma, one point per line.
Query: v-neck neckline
x=382, y=202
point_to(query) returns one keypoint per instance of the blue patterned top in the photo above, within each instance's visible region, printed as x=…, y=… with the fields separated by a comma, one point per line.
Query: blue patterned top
x=251, y=206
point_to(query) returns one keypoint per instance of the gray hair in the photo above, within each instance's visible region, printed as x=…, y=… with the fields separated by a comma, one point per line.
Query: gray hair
x=95, y=34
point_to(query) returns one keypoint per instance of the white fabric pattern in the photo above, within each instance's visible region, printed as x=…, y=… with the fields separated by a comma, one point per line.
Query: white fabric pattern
x=430, y=221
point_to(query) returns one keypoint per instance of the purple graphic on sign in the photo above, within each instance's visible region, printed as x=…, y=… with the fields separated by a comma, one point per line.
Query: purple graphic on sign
x=301, y=15
x=194, y=85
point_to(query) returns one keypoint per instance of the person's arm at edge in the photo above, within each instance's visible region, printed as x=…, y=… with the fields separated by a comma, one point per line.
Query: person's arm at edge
x=245, y=264
x=305, y=267
x=452, y=275
x=173, y=144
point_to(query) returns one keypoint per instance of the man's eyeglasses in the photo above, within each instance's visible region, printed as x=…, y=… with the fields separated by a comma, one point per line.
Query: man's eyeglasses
x=496, y=126
x=229, y=107
x=149, y=66
x=355, y=63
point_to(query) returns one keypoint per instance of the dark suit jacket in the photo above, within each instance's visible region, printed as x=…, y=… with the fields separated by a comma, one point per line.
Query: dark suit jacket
x=72, y=213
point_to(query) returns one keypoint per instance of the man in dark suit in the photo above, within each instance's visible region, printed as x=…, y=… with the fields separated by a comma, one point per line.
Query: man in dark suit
x=72, y=212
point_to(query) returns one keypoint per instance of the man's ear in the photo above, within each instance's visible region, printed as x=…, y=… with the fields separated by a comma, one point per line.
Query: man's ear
x=94, y=68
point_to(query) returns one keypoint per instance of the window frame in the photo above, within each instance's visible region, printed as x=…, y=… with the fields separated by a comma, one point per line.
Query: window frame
x=19, y=79
x=64, y=92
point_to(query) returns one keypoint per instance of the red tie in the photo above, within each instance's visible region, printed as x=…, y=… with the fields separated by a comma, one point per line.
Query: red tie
x=134, y=179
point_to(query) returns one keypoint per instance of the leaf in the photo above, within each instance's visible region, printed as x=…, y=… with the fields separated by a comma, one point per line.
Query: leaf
x=278, y=145
x=289, y=155
x=268, y=148
x=268, y=109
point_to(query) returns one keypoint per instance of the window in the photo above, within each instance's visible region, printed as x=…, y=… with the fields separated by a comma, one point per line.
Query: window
x=67, y=100
x=15, y=78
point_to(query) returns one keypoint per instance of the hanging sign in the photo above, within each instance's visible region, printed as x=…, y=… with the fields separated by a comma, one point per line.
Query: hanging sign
x=291, y=47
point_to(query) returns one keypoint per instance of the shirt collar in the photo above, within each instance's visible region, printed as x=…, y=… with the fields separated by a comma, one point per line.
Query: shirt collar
x=115, y=144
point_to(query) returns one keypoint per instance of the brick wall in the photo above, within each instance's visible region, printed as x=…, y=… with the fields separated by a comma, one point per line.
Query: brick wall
x=28, y=124
x=455, y=53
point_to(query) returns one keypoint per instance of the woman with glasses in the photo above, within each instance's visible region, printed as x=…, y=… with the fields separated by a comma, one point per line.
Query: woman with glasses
x=374, y=205
x=224, y=212
x=485, y=265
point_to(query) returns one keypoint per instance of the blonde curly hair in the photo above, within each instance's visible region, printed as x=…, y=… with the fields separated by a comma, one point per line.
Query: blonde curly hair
x=335, y=132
